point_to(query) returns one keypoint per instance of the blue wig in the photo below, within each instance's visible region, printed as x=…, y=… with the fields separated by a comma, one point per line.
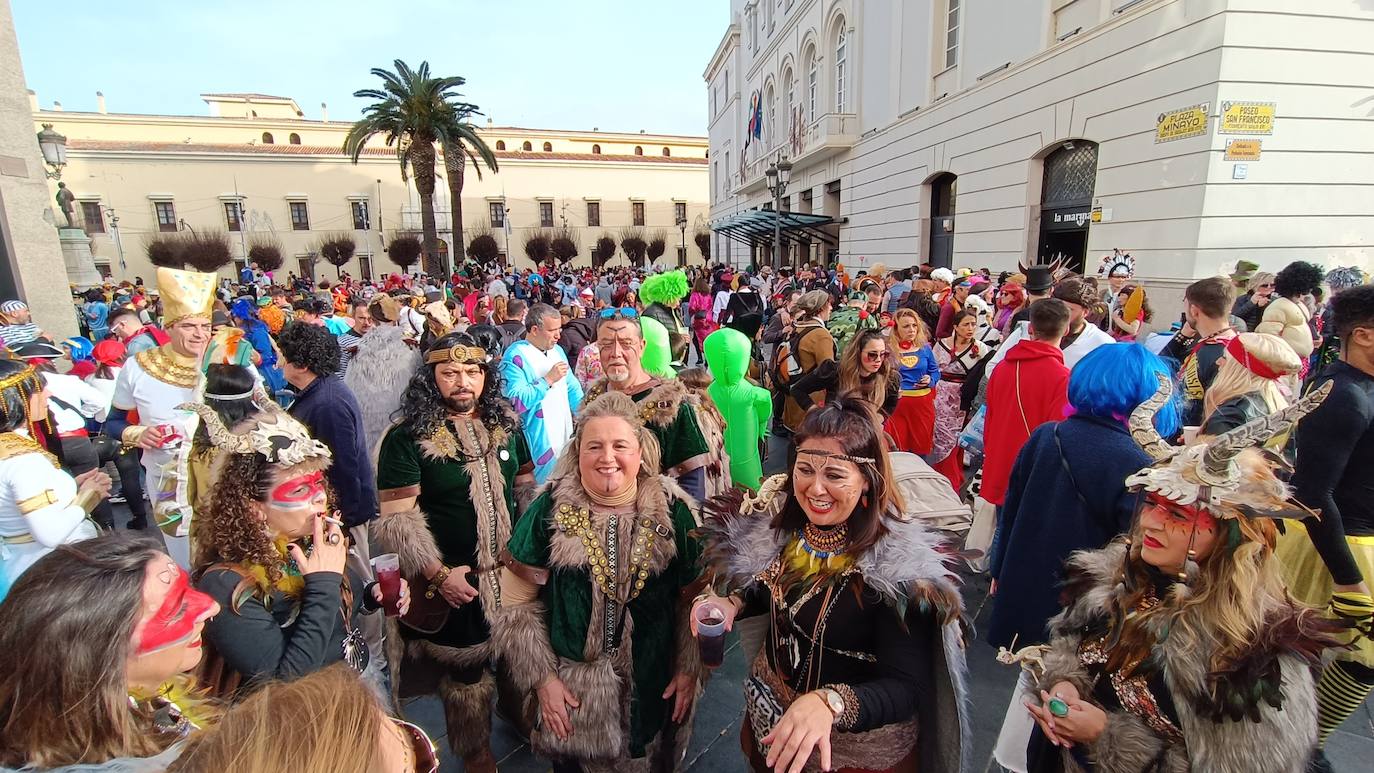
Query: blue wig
x=1115, y=378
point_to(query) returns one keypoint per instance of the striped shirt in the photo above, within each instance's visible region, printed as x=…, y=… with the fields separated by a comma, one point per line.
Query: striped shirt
x=18, y=335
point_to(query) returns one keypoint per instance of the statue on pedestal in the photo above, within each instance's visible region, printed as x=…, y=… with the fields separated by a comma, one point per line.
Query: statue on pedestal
x=66, y=201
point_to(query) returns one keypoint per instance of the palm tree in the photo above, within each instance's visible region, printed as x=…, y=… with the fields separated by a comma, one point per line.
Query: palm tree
x=413, y=111
x=460, y=142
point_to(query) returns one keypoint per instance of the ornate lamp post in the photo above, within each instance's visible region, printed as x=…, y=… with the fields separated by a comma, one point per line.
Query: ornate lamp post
x=54, y=147
x=682, y=256
x=777, y=175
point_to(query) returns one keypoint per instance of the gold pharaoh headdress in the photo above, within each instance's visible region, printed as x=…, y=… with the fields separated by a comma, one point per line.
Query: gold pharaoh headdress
x=185, y=294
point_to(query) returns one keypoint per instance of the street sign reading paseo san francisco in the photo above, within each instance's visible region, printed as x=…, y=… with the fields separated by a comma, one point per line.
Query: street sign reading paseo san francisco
x=1183, y=123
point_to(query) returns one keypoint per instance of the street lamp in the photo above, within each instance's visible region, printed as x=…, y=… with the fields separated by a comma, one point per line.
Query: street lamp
x=54, y=147
x=777, y=174
x=682, y=256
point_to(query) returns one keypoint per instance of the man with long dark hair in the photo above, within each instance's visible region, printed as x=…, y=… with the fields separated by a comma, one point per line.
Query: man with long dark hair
x=446, y=475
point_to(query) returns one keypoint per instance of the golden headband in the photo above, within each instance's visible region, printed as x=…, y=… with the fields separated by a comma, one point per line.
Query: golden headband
x=842, y=457
x=15, y=379
x=467, y=355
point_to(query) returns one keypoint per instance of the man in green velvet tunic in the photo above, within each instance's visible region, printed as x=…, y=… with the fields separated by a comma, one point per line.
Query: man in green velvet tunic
x=596, y=601
x=446, y=476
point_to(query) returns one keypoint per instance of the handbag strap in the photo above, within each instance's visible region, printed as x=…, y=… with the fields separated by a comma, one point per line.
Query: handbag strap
x=1064, y=462
x=1024, y=422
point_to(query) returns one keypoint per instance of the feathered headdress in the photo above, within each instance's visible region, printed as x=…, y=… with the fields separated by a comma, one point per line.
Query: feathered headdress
x=1228, y=475
x=272, y=432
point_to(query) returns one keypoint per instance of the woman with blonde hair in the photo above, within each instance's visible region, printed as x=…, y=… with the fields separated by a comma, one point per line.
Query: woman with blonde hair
x=1247, y=382
x=912, y=424
x=864, y=370
x=498, y=309
x=1259, y=291
x=344, y=730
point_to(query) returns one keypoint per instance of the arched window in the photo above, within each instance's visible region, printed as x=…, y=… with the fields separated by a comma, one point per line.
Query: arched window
x=840, y=47
x=790, y=99
x=294, y=139
x=639, y=151
x=527, y=146
x=548, y=147
x=770, y=134
x=500, y=144
x=596, y=150
x=813, y=78
x=267, y=138
x=667, y=152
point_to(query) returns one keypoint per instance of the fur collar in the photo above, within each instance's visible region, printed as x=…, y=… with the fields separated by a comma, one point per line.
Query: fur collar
x=653, y=501
x=657, y=408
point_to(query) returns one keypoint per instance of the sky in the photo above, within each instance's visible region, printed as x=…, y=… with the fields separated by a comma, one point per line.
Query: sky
x=617, y=65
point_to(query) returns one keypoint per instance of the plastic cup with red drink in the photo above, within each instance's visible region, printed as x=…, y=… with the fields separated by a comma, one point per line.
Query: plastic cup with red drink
x=388, y=569
x=710, y=619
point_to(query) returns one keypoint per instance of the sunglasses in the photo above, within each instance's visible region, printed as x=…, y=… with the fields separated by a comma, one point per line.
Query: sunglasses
x=875, y=356
x=1266, y=284
x=426, y=756
x=628, y=312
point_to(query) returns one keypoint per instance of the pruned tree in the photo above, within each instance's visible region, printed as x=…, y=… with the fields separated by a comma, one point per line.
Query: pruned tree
x=605, y=250
x=703, y=241
x=482, y=246
x=633, y=245
x=266, y=252
x=658, y=244
x=538, y=246
x=404, y=251
x=564, y=245
x=337, y=249
x=207, y=251
x=165, y=251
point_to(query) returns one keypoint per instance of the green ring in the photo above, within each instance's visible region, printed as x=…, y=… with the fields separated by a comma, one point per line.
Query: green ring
x=1059, y=708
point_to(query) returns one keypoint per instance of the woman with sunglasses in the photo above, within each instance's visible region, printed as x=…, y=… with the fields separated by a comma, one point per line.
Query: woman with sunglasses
x=956, y=356
x=1011, y=298
x=1259, y=291
x=344, y=730
x=865, y=370
x=98, y=637
x=846, y=608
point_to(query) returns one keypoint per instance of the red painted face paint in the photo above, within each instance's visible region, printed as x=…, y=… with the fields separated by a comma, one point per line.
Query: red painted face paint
x=299, y=492
x=175, y=620
x=1182, y=518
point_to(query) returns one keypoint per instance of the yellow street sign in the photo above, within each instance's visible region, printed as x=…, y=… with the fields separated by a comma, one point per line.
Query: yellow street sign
x=1243, y=150
x=1246, y=118
x=1181, y=124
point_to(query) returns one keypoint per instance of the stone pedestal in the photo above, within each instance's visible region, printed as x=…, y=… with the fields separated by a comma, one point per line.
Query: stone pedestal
x=76, y=253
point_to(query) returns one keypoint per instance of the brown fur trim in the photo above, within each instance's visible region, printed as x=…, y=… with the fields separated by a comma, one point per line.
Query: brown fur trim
x=1128, y=745
x=467, y=713
x=567, y=551
x=661, y=405
x=520, y=635
x=598, y=734
x=687, y=657
x=395, y=653
x=487, y=489
x=406, y=533
x=456, y=658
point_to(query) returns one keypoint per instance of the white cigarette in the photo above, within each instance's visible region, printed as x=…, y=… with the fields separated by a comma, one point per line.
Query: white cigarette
x=334, y=521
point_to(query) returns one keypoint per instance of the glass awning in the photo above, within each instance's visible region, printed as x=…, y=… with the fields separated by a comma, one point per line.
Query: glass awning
x=757, y=226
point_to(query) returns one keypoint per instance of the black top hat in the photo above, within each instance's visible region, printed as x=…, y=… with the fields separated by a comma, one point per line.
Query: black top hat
x=1039, y=279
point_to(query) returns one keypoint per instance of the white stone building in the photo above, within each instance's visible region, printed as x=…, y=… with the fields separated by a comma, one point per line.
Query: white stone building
x=1191, y=133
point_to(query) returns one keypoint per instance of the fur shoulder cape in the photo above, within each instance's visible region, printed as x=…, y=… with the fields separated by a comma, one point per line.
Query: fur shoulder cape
x=658, y=408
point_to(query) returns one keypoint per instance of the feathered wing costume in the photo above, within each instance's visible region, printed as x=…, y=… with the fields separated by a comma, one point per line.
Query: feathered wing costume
x=1177, y=709
x=908, y=569
x=377, y=375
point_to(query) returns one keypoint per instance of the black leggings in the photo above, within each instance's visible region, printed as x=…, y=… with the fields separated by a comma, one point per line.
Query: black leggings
x=128, y=462
x=80, y=457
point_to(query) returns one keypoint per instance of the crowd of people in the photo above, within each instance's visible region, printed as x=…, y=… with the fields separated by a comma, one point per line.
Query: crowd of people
x=541, y=494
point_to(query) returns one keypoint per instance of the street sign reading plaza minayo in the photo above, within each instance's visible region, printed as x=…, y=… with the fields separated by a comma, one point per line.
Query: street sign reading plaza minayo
x=1183, y=123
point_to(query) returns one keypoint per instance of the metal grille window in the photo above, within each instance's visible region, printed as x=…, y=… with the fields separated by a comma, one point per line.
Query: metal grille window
x=166, y=215
x=94, y=219
x=952, y=34
x=637, y=213
x=498, y=214
x=546, y=214
x=233, y=218
x=1070, y=174
x=300, y=216
x=361, y=222
x=840, y=46
x=593, y=213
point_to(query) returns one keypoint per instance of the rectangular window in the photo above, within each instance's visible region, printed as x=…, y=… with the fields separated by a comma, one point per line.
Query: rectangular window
x=593, y=213
x=498, y=214
x=93, y=217
x=952, y=34
x=233, y=220
x=300, y=216
x=307, y=267
x=546, y=214
x=365, y=266
x=361, y=222
x=166, y=215
x=679, y=211
x=637, y=213
x=239, y=265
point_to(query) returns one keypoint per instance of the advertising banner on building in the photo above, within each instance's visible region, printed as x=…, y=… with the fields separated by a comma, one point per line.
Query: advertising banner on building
x=1246, y=118
x=1183, y=123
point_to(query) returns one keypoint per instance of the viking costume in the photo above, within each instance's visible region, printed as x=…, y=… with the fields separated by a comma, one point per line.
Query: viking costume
x=462, y=477
x=882, y=629
x=665, y=410
x=39, y=504
x=1181, y=705
x=609, y=619
x=149, y=388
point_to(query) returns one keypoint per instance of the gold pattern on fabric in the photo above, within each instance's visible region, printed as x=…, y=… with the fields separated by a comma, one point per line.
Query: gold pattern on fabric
x=577, y=521
x=1133, y=690
x=169, y=367
x=13, y=444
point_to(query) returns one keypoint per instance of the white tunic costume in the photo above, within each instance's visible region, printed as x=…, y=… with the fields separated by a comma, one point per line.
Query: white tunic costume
x=37, y=507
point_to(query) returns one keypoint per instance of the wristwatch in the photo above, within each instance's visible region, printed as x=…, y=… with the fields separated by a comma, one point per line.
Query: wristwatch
x=833, y=701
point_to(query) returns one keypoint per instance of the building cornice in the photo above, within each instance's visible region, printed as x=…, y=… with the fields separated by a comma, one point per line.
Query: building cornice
x=728, y=42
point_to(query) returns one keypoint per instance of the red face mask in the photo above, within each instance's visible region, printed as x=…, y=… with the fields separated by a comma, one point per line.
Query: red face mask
x=1188, y=516
x=298, y=492
x=175, y=621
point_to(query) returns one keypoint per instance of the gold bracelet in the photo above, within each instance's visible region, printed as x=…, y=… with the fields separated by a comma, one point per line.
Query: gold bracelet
x=437, y=581
x=129, y=437
x=87, y=499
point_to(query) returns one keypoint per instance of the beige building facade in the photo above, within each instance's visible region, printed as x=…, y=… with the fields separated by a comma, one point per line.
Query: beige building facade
x=256, y=167
x=1191, y=133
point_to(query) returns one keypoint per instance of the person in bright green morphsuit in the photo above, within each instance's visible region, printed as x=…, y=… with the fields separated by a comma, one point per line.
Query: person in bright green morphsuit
x=657, y=359
x=746, y=407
